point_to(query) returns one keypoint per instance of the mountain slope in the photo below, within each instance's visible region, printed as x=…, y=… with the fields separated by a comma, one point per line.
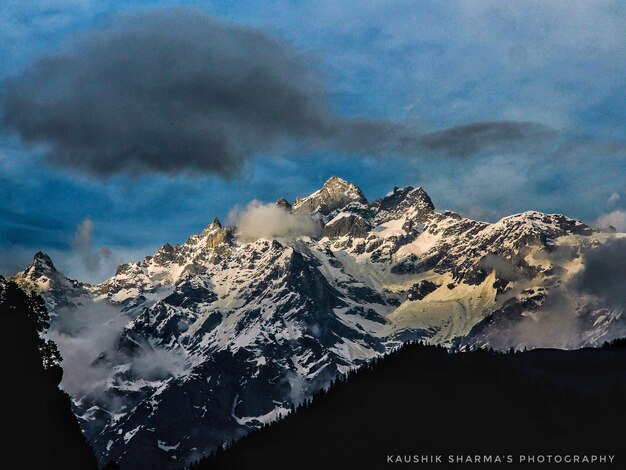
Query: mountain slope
x=205, y=341
x=423, y=401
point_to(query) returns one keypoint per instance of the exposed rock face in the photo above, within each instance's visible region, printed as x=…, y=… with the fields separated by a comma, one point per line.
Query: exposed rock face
x=284, y=203
x=420, y=290
x=165, y=255
x=402, y=201
x=335, y=194
x=219, y=336
x=351, y=225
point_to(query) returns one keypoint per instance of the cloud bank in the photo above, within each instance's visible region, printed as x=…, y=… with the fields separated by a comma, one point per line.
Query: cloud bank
x=604, y=273
x=259, y=220
x=615, y=219
x=596, y=294
x=173, y=90
x=504, y=268
x=471, y=138
x=88, y=337
x=84, y=336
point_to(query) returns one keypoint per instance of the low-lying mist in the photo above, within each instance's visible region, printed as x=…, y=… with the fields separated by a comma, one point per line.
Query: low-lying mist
x=88, y=338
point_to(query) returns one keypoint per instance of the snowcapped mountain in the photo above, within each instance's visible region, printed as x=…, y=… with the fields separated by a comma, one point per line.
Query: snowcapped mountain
x=217, y=336
x=58, y=291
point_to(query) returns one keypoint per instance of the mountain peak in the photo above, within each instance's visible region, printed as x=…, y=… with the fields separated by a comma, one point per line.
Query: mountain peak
x=42, y=261
x=401, y=201
x=334, y=180
x=214, y=226
x=215, y=234
x=336, y=193
x=284, y=203
x=41, y=276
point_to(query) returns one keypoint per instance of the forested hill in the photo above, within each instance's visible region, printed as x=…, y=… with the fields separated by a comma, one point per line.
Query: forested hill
x=39, y=429
x=424, y=401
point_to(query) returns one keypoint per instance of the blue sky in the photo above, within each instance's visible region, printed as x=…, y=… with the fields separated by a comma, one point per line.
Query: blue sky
x=436, y=64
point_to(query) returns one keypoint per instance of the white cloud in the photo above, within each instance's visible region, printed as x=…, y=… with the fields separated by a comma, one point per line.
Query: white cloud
x=259, y=220
x=88, y=337
x=616, y=219
x=613, y=199
x=83, y=335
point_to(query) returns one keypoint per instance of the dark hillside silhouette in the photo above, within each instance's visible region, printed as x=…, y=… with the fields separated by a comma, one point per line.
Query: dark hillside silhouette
x=39, y=428
x=423, y=400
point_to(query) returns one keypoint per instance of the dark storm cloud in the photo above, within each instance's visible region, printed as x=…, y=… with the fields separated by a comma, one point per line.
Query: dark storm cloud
x=166, y=90
x=579, y=147
x=604, y=273
x=174, y=90
x=471, y=138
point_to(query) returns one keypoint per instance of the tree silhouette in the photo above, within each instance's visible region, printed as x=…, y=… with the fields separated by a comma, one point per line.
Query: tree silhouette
x=431, y=400
x=36, y=414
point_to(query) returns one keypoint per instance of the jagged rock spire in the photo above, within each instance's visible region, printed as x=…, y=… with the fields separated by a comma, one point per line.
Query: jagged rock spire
x=401, y=201
x=334, y=184
x=284, y=203
x=336, y=193
x=42, y=260
x=213, y=226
